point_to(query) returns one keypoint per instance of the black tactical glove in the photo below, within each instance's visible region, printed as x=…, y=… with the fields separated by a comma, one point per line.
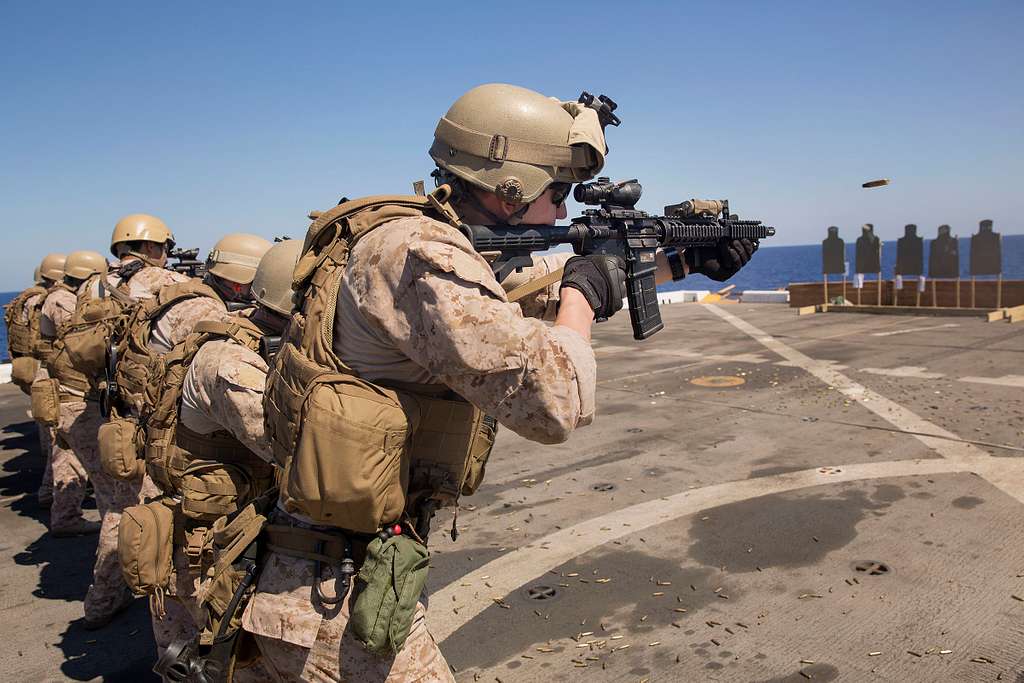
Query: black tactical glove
x=721, y=261
x=601, y=279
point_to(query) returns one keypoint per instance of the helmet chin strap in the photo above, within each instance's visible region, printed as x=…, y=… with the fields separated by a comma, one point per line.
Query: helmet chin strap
x=149, y=261
x=477, y=205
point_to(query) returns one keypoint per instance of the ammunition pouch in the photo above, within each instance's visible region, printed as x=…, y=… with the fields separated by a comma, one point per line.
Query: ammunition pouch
x=59, y=365
x=214, y=474
x=365, y=454
x=46, y=401
x=210, y=490
x=135, y=368
x=145, y=547
x=120, y=445
x=449, y=450
x=388, y=588
x=23, y=372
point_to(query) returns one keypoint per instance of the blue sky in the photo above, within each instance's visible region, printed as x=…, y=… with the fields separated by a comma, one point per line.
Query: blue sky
x=223, y=117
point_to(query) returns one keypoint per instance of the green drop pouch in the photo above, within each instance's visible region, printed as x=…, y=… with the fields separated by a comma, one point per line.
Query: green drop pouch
x=389, y=584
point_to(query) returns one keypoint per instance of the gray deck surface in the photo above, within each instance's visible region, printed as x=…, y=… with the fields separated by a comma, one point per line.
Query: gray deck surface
x=726, y=547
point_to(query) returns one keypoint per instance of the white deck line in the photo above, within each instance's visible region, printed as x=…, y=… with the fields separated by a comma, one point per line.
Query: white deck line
x=512, y=570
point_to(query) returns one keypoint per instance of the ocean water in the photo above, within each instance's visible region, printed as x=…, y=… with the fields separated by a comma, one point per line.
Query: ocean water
x=776, y=267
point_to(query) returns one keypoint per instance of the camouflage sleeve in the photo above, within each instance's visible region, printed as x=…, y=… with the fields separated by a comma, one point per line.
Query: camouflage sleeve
x=542, y=304
x=29, y=303
x=178, y=321
x=427, y=290
x=223, y=389
x=58, y=308
x=148, y=281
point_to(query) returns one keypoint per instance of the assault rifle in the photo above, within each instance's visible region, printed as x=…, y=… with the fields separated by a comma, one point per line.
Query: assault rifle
x=617, y=228
x=188, y=262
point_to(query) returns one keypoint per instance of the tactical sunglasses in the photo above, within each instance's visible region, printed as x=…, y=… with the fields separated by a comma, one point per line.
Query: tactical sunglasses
x=559, y=192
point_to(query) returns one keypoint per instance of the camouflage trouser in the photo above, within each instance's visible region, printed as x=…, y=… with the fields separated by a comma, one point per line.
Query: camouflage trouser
x=46, y=449
x=181, y=615
x=302, y=643
x=79, y=427
x=68, y=474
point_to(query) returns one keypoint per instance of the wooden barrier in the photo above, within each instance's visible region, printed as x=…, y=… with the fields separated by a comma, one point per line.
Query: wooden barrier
x=937, y=294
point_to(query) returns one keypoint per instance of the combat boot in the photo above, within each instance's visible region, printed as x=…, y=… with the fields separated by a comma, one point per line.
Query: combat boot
x=99, y=622
x=82, y=527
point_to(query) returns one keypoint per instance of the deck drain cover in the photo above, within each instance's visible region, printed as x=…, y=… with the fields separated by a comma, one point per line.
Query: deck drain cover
x=541, y=593
x=871, y=568
x=717, y=381
x=603, y=487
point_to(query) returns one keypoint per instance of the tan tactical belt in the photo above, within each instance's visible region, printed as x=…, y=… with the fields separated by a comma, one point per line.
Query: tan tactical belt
x=219, y=446
x=311, y=544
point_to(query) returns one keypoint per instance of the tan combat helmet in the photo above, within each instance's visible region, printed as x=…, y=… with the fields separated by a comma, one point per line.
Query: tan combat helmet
x=140, y=227
x=515, y=142
x=272, y=286
x=52, y=267
x=236, y=256
x=82, y=265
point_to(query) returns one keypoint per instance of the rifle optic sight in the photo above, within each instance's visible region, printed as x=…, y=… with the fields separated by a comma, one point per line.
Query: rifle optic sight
x=624, y=193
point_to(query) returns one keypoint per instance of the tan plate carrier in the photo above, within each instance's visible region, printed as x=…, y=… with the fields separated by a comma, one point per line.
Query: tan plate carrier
x=138, y=365
x=22, y=336
x=213, y=474
x=356, y=454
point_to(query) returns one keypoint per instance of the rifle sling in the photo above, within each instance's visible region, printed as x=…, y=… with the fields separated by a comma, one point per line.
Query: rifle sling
x=535, y=285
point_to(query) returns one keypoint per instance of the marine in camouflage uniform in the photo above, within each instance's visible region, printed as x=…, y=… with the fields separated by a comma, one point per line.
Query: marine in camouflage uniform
x=222, y=391
x=44, y=495
x=136, y=238
x=230, y=269
x=68, y=467
x=50, y=270
x=418, y=305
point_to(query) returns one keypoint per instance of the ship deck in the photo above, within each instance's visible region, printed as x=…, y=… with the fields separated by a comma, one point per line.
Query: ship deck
x=761, y=497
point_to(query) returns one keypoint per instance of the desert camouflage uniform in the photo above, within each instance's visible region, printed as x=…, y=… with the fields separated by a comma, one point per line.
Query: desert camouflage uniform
x=418, y=304
x=222, y=390
x=75, y=457
x=108, y=591
x=79, y=427
x=148, y=281
x=45, y=431
x=69, y=473
x=167, y=331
